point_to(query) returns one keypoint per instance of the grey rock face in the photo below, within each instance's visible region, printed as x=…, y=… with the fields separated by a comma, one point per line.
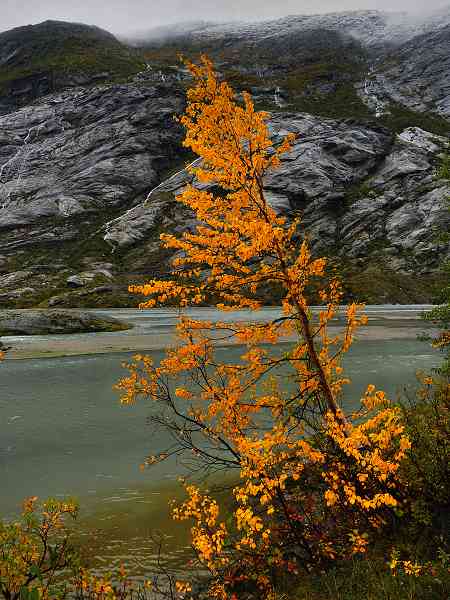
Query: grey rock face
x=67, y=164
x=85, y=151
x=398, y=209
x=405, y=220
x=417, y=74
x=327, y=158
x=135, y=225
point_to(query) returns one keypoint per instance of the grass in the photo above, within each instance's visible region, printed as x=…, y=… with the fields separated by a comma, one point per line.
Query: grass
x=443, y=170
x=370, y=579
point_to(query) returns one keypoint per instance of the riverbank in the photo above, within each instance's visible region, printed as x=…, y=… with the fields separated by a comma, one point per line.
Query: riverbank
x=155, y=329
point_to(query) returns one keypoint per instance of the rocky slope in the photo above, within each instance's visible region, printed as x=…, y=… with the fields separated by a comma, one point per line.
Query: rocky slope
x=371, y=200
x=374, y=29
x=374, y=203
x=81, y=152
x=36, y=60
x=317, y=62
x=88, y=176
x=417, y=74
x=70, y=163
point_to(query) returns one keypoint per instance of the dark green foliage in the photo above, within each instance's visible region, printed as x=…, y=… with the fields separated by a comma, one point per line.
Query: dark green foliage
x=440, y=315
x=360, y=191
x=443, y=171
x=427, y=419
x=372, y=281
x=420, y=532
x=401, y=117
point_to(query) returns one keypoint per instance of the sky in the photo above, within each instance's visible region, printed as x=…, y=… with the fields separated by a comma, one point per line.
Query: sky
x=125, y=16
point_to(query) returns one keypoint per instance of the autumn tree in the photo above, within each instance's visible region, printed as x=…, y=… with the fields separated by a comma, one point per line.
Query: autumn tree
x=313, y=480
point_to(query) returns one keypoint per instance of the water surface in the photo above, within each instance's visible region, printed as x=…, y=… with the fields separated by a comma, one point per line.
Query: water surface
x=63, y=431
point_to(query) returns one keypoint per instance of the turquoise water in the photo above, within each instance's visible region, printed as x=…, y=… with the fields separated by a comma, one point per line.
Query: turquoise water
x=63, y=432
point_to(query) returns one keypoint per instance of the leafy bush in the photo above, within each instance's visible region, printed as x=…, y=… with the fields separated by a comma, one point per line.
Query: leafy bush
x=427, y=469
x=35, y=551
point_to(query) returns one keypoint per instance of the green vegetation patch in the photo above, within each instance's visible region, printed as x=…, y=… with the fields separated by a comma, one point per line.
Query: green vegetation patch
x=401, y=117
x=376, y=283
x=60, y=49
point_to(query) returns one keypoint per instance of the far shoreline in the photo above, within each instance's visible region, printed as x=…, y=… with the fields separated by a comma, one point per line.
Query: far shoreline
x=386, y=322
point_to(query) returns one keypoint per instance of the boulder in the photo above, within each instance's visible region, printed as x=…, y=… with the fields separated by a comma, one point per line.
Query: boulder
x=43, y=322
x=87, y=277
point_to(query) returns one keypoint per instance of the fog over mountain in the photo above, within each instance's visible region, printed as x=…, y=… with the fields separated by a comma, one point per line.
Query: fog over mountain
x=124, y=16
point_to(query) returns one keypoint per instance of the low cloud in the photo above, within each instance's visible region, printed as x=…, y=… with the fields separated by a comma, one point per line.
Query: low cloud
x=124, y=16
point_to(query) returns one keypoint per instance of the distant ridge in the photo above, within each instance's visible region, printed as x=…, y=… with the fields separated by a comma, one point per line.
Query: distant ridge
x=371, y=27
x=38, y=59
x=54, y=25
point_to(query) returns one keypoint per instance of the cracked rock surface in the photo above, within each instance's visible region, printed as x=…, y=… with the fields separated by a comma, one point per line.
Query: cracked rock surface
x=359, y=191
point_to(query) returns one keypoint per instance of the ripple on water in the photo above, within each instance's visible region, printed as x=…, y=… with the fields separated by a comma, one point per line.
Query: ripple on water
x=74, y=438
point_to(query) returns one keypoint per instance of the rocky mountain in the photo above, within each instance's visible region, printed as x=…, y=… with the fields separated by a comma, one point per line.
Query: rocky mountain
x=416, y=74
x=69, y=163
x=375, y=29
x=36, y=60
x=352, y=64
x=373, y=202
x=89, y=174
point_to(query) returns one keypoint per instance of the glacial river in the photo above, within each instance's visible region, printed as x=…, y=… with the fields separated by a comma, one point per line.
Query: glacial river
x=63, y=431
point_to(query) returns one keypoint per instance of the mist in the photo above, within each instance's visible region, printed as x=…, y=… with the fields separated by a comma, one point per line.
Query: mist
x=127, y=16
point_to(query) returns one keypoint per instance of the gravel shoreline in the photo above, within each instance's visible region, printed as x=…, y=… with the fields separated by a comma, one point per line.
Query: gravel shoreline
x=99, y=343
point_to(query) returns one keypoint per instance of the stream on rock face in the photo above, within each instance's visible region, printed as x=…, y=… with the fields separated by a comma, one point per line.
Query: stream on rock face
x=369, y=95
x=13, y=169
x=64, y=433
